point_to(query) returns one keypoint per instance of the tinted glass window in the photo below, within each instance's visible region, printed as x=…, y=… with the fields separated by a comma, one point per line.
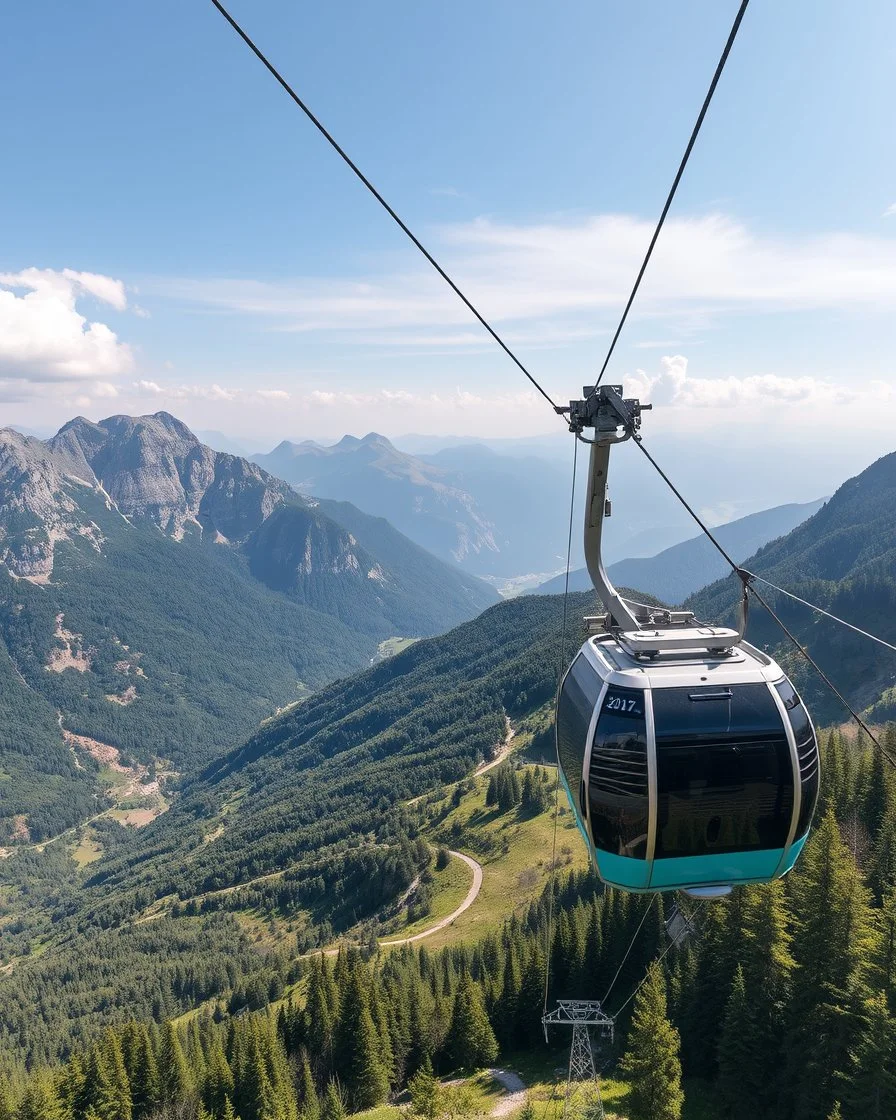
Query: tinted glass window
x=724, y=775
x=807, y=753
x=617, y=777
x=578, y=698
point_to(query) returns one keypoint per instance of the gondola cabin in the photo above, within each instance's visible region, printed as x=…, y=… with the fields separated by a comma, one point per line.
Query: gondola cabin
x=692, y=769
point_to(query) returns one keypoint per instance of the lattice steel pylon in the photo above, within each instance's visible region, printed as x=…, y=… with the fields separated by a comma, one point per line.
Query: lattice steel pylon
x=581, y=1015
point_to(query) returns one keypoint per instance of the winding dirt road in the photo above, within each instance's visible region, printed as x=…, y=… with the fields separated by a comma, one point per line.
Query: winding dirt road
x=472, y=894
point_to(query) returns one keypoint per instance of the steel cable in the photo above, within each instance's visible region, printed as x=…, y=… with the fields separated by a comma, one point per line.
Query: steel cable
x=376, y=194
x=684, y=162
x=549, y=936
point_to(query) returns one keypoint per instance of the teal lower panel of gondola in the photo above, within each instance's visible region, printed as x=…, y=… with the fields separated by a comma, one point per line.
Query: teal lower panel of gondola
x=695, y=871
x=728, y=867
x=623, y=871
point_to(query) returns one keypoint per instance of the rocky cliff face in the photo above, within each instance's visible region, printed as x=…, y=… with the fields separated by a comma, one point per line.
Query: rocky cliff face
x=154, y=469
x=39, y=503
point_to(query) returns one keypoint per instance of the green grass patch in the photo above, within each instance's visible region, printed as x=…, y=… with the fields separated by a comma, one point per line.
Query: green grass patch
x=384, y=1112
x=514, y=849
x=88, y=849
x=449, y=888
x=391, y=646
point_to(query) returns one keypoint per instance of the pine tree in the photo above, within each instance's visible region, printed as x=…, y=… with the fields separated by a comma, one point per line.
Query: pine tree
x=869, y=1087
x=142, y=1070
x=531, y=997
x=319, y=1019
x=6, y=1102
x=424, y=1091
x=41, y=1101
x=877, y=794
x=734, y=1052
x=359, y=1055
x=471, y=1042
x=175, y=1082
x=332, y=1107
x=255, y=1091
x=218, y=1086
x=834, y=943
x=307, y=1091
x=651, y=1063
x=768, y=976
x=882, y=867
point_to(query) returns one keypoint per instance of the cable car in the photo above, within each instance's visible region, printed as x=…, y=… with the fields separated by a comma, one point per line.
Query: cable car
x=689, y=759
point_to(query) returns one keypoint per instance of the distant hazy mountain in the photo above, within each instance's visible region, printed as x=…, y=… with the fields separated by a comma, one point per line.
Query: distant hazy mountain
x=159, y=598
x=679, y=571
x=490, y=514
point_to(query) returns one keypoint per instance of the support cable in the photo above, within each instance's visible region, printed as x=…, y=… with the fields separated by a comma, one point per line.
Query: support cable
x=820, y=610
x=376, y=194
x=549, y=936
x=745, y=578
x=827, y=680
x=684, y=162
x=689, y=925
x=631, y=945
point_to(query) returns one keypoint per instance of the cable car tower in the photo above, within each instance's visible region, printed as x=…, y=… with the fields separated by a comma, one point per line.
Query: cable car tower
x=581, y=1015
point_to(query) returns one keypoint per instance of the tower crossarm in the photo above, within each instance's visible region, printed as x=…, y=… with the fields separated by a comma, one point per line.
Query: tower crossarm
x=579, y=1012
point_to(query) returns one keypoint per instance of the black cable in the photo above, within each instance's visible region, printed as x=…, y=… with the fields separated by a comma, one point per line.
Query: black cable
x=745, y=577
x=668, y=481
x=689, y=927
x=827, y=680
x=549, y=936
x=376, y=194
x=821, y=610
x=687, y=154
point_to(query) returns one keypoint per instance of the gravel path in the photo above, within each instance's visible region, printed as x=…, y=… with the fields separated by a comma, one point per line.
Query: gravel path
x=472, y=894
x=514, y=1098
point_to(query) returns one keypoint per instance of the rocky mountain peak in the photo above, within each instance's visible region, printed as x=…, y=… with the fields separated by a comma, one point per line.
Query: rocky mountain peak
x=154, y=468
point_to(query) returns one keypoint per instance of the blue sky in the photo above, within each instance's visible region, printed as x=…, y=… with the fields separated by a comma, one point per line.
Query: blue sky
x=199, y=248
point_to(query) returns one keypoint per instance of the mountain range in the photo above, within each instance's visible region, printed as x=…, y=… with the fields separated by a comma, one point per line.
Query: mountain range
x=677, y=572
x=158, y=599
x=491, y=514
x=306, y=821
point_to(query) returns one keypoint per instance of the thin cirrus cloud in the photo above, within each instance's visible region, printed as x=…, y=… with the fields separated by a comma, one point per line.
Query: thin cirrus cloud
x=44, y=337
x=458, y=400
x=557, y=275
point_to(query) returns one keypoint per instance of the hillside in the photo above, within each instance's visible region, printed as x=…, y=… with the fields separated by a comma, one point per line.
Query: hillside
x=317, y=796
x=679, y=571
x=158, y=599
x=844, y=559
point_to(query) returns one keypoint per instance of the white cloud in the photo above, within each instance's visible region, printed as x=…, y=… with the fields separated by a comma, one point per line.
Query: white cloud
x=272, y=394
x=43, y=336
x=562, y=278
x=673, y=386
x=890, y=210
x=104, y=288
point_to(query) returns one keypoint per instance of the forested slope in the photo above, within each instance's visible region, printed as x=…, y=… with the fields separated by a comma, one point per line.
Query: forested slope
x=844, y=559
x=159, y=599
x=318, y=793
